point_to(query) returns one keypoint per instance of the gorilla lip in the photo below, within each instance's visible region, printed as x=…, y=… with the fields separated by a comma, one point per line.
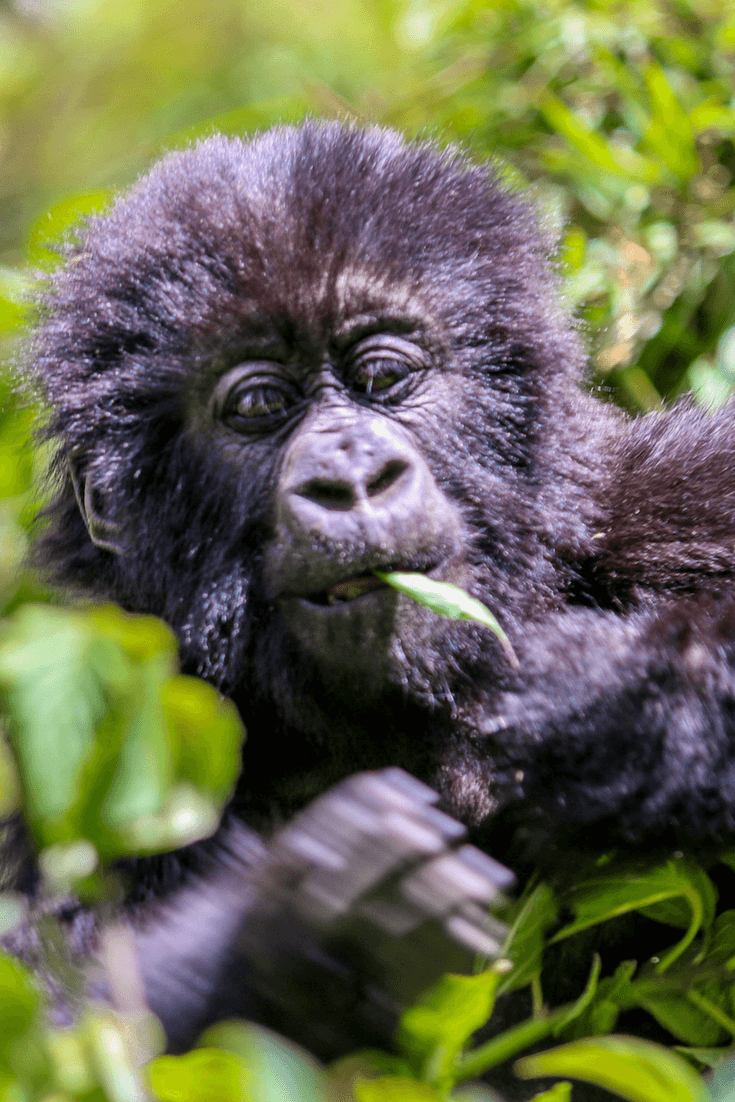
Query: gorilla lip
x=353, y=587
x=356, y=586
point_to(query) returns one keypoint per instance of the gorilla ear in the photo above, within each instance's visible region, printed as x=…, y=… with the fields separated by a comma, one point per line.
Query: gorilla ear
x=93, y=504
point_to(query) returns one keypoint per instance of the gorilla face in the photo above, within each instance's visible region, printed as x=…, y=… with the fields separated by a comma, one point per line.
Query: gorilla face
x=279, y=367
x=351, y=493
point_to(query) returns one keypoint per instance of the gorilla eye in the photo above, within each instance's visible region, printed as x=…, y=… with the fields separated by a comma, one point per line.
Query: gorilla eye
x=374, y=374
x=251, y=403
x=383, y=365
x=256, y=402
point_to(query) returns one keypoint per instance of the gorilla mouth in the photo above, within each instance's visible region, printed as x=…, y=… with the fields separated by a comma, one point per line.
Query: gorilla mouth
x=354, y=587
x=348, y=589
x=351, y=588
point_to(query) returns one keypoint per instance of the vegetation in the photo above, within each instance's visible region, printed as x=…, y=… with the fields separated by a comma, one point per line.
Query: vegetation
x=621, y=117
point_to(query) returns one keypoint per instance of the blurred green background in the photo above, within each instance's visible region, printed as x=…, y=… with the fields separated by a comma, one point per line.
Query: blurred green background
x=620, y=115
x=620, y=118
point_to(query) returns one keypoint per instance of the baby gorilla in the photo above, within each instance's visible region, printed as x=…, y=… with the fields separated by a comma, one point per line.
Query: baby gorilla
x=277, y=367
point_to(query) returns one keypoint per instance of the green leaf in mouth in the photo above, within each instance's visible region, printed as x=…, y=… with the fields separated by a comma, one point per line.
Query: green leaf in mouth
x=450, y=601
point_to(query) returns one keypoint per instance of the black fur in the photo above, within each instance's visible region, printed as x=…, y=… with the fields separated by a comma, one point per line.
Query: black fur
x=603, y=544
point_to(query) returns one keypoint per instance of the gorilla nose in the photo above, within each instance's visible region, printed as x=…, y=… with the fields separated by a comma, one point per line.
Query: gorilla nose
x=350, y=470
x=355, y=495
x=361, y=484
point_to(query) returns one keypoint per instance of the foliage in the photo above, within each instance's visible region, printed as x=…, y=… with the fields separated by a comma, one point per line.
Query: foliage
x=620, y=115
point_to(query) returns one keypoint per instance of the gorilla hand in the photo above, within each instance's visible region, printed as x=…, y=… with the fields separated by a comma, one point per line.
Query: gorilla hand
x=355, y=906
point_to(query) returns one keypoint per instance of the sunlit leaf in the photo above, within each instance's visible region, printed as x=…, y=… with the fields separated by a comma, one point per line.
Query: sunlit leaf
x=55, y=221
x=625, y=163
x=392, y=1089
x=114, y=747
x=670, y=134
x=208, y=734
x=112, y=1058
x=635, y=1070
x=435, y=1030
x=560, y=1092
x=203, y=1075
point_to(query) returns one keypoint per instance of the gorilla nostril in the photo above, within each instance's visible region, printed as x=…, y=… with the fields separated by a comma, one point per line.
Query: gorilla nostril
x=329, y=493
x=390, y=473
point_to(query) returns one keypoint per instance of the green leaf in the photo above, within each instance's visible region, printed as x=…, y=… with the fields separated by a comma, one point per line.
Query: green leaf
x=113, y=746
x=506, y=1045
x=393, y=1089
x=57, y=220
x=112, y=1060
x=625, y=163
x=525, y=942
x=23, y=1054
x=141, y=637
x=585, y=999
x=366, y=1064
x=19, y=1002
x=670, y=135
x=277, y=1068
x=450, y=601
x=70, y=1057
x=56, y=700
x=10, y=798
x=560, y=1092
x=16, y=454
x=433, y=1032
x=685, y=1021
x=573, y=250
x=144, y=770
x=716, y=234
x=185, y=816
x=203, y=1075
x=703, y=1057
x=14, y=293
x=721, y=946
x=63, y=865
x=635, y=889
x=612, y=995
x=634, y=1069
x=677, y=910
x=208, y=734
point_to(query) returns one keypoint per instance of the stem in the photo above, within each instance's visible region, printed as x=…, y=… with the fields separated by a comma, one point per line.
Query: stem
x=518, y=1038
x=694, y=925
x=507, y=1044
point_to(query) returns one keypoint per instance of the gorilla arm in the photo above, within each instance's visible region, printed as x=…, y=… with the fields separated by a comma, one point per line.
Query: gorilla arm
x=620, y=729
x=625, y=735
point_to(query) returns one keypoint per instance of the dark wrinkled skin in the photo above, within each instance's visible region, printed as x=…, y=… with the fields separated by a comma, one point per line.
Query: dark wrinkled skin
x=275, y=367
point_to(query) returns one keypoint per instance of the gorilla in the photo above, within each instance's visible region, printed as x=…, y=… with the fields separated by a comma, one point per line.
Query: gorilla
x=277, y=369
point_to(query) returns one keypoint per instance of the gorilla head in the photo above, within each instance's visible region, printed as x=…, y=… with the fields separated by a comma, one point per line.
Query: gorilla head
x=276, y=367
